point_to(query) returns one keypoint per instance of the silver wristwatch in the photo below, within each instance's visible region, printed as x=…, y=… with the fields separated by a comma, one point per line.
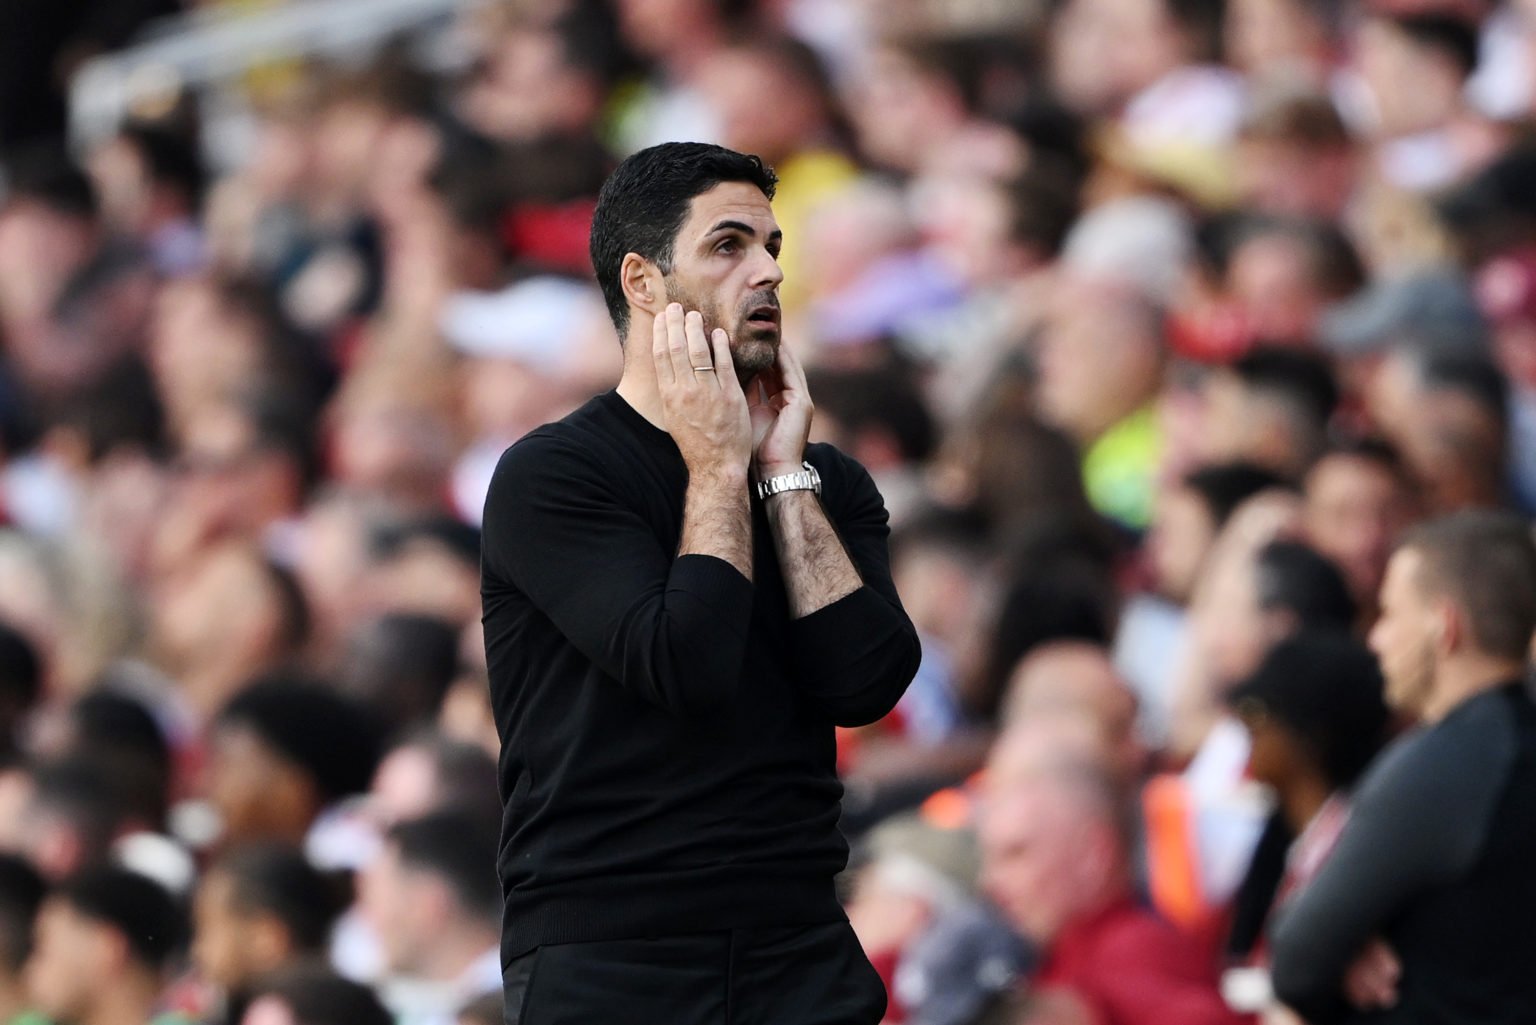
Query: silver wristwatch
x=801, y=480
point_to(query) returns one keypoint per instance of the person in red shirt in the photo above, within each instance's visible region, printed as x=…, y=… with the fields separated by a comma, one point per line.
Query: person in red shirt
x=1056, y=860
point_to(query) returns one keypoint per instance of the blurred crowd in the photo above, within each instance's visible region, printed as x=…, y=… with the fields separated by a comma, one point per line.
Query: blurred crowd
x=1157, y=323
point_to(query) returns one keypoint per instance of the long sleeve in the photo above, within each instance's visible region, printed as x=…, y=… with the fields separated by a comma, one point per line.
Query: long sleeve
x=1417, y=821
x=671, y=629
x=855, y=657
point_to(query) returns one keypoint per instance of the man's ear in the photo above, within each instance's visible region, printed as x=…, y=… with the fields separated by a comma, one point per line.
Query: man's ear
x=1451, y=634
x=642, y=283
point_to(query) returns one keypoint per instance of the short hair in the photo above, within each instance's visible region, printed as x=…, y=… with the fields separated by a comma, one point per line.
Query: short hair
x=1225, y=486
x=1485, y=562
x=123, y=735
x=21, y=671
x=333, y=739
x=45, y=175
x=402, y=664
x=170, y=160
x=644, y=203
x=459, y=847
x=1455, y=37
x=1294, y=578
x=83, y=791
x=1471, y=374
x=318, y=996
x=21, y=893
x=886, y=398
x=465, y=773
x=1326, y=690
x=277, y=880
x=1301, y=383
x=151, y=920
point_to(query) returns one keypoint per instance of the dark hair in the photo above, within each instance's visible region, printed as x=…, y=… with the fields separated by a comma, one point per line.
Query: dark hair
x=333, y=739
x=84, y=792
x=402, y=664
x=1294, y=578
x=21, y=673
x=151, y=920
x=883, y=398
x=1370, y=449
x=318, y=996
x=1471, y=374
x=644, y=203
x=276, y=880
x=1455, y=37
x=465, y=774
x=21, y=893
x=170, y=159
x=460, y=848
x=1226, y=486
x=1486, y=563
x=46, y=175
x=1326, y=689
x=1332, y=261
x=123, y=736
x=1303, y=385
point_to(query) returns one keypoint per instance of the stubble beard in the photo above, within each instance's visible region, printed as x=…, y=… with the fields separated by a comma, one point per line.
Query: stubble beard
x=1411, y=682
x=753, y=348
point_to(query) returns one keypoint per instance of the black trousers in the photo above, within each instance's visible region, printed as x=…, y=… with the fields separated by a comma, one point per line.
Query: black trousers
x=808, y=975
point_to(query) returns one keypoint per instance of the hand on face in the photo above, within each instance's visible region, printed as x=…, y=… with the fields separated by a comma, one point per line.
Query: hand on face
x=702, y=404
x=781, y=410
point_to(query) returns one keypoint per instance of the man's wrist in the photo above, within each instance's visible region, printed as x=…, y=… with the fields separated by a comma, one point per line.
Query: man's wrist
x=763, y=471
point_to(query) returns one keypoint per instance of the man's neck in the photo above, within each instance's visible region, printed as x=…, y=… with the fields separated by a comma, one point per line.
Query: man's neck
x=1466, y=676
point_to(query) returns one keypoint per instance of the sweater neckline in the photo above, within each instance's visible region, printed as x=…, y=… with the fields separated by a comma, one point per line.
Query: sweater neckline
x=632, y=416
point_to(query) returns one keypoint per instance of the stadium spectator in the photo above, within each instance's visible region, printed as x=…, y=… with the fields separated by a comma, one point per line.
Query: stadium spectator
x=105, y=946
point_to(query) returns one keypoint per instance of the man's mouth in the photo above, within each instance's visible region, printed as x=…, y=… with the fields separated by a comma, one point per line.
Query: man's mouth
x=764, y=316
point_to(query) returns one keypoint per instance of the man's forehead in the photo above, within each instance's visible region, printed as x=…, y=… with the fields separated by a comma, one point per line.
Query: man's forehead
x=732, y=201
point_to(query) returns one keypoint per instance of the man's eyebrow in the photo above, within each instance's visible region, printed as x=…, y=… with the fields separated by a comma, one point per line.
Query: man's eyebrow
x=743, y=228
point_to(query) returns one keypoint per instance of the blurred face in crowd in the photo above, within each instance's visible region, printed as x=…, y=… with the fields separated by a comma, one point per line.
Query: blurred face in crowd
x=199, y=349
x=900, y=110
x=725, y=265
x=1271, y=281
x=1100, y=359
x=257, y=793
x=1275, y=37
x=405, y=907
x=1407, y=633
x=1276, y=755
x=1412, y=87
x=1294, y=178
x=1179, y=540
x=1105, y=51
x=73, y=956
x=1241, y=632
x=1070, y=678
x=1354, y=510
x=1046, y=858
x=231, y=947
x=528, y=89
x=738, y=84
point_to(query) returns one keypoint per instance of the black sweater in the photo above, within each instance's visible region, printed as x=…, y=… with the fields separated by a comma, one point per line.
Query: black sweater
x=1439, y=859
x=668, y=754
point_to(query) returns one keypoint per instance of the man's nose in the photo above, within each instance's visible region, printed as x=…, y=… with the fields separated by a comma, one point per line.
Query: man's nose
x=767, y=273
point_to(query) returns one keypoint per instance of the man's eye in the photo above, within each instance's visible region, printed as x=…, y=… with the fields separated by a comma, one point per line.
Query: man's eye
x=728, y=246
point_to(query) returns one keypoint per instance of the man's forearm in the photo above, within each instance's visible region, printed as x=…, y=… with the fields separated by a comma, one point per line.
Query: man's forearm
x=717, y=519
x=816, y=567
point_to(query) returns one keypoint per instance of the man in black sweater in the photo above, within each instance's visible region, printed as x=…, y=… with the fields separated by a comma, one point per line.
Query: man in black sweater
x=682, y=598
x=1423, y=912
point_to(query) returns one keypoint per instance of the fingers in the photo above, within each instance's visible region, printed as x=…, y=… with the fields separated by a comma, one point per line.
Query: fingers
x=699, y=356
x=677, y=343
x=659, y=354
x=791, y=369
x=725, y=368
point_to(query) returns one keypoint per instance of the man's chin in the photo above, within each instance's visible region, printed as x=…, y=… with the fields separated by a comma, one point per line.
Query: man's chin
x=755, y=350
